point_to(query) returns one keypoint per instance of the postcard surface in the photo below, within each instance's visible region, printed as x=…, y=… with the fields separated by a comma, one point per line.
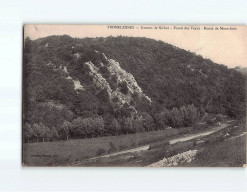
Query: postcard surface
x=134, y=95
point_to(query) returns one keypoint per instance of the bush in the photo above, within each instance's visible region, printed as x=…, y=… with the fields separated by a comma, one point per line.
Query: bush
x=160, y=145
x=100, y=151
x=207, y=142
x=172, y=153
x=112, y=148
x=219, y=117
x=181, y=132
x=133, y=144
x=199, y=127
x=210, y=122
x=122, y=147
x=144, y=142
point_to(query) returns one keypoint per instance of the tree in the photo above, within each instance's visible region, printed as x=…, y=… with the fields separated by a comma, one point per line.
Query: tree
x=137, y=125
x=79, y=127
x=49, y=135
x=176, y=118
x=89, y=126
x=202, y=110
x=98, y=125
x=193, y=114
x=127, y=124
x=115, y=126
x=148, y=122
x=112, y=126
x=66, y=129
x=219, y=117
x=185, y=115
x=43, y=131
x=103, y=95
x=38, y=131
x=54, y=132
x=28, y=132
x=163, y=119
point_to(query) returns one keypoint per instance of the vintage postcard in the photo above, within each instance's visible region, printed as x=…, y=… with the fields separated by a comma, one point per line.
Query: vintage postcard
x=134, y=95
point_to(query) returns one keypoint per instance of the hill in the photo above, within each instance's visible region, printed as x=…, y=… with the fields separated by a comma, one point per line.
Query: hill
x=106, y=86
x=243, y=70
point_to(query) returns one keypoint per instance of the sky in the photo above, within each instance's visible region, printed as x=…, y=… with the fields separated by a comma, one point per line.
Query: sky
x=228, y=47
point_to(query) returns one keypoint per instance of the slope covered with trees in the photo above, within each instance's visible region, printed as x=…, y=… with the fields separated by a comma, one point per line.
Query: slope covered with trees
x=79, y=88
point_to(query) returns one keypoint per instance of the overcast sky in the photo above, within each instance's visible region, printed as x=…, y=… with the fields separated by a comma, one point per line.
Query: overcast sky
x=228, y=47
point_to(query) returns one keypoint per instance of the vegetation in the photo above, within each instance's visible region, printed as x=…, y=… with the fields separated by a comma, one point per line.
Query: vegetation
x=69, y=151
x=224, y=148
x=230, y=153
x=90, y=127
x=182, y=86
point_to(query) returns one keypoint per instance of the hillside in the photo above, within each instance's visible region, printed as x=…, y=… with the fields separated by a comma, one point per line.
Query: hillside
x=243, y=70
x=106, y=86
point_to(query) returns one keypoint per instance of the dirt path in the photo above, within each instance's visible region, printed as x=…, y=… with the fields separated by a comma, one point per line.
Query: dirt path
x=139, y=149
x=193, y=136
x=242, y=134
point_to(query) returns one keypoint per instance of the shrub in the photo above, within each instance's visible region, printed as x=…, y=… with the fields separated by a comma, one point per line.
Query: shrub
x=219, y=139
x=144, y=142
x=210, y=122
x=199, y=127
x=181, y=132
x=133, y=144
x=172, y=153
x=112, y=147
x=100, y=151
x=207, y=142
x=219, y=117
x=122, y=147
x=160, y=145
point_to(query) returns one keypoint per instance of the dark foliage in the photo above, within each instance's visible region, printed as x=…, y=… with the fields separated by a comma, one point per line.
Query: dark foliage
x=181, y=85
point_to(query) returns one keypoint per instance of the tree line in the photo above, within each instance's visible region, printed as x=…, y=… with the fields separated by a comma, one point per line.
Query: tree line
x=97, y=126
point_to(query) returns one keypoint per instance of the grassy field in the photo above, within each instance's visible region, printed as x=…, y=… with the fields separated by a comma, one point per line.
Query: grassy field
x=64, y=152
x=226, y=148
x=230, y=153
x=219, y=149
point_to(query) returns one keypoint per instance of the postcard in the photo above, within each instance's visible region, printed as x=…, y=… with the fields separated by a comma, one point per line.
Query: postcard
x=134, y=95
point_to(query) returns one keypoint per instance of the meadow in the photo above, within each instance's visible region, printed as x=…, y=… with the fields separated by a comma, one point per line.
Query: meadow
x=229, y=153
x=64, y=152
x=223, y=148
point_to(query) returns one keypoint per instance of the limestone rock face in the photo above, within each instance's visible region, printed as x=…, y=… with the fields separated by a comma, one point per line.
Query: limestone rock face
x=98, y=79
x=102, y=82
x=122, y=76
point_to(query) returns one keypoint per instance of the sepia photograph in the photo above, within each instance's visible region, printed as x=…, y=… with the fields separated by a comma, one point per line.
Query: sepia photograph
x=134, y=95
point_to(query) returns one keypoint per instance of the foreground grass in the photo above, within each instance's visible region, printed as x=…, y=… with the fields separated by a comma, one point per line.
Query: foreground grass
x=64, y=152
x=219, y=149
x=229, y=153
x=215, y=149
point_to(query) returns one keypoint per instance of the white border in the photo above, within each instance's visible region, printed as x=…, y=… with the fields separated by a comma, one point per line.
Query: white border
x=14, y=13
